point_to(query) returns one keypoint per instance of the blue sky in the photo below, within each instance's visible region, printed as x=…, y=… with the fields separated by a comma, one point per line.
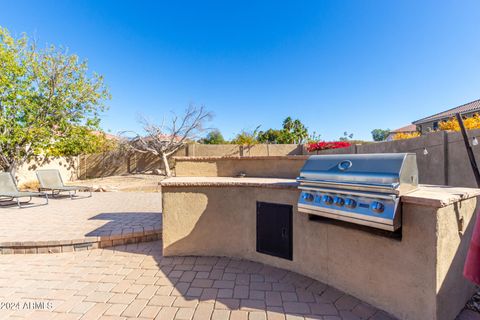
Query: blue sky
x=336, y=65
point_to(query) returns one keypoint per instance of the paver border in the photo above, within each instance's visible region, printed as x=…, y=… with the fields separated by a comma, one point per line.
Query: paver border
x=87, y=243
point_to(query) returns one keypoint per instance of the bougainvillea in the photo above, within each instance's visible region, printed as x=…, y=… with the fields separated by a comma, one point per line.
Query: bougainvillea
x=325, y=145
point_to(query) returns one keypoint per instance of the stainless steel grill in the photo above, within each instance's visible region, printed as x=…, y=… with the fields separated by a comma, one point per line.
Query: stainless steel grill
x=358, y=188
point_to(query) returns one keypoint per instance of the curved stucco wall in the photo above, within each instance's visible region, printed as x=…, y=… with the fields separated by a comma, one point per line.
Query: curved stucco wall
x=407, y=278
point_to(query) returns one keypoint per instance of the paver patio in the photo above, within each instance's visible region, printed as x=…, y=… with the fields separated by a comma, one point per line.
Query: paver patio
x=136, y=281
x=104, y=216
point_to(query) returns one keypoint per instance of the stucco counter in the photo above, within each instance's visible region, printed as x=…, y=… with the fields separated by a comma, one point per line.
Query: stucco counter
x=416, y=277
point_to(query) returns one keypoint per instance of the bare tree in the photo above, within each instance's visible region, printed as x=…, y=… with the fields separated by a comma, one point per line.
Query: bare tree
x=164, y=140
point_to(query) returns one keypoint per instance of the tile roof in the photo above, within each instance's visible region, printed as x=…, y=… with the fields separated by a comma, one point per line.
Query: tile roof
x=464, y=108
x=409, y=128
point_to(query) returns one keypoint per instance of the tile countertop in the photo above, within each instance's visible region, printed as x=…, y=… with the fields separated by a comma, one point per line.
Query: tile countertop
x=427, y=195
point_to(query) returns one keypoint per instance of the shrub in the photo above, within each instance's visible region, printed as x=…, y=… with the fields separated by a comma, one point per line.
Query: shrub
x=403, y=135
x=380, y=134
x=247, y=138
x=30, y=185
x=470, y=123
x=325, y=145
x=213, y=137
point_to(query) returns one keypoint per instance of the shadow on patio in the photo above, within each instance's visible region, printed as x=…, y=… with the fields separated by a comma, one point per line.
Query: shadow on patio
x=126, y=224
x=225, y=288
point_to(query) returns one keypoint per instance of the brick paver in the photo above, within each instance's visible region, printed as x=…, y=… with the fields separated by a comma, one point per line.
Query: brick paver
x=136, y=281
x=66, y=225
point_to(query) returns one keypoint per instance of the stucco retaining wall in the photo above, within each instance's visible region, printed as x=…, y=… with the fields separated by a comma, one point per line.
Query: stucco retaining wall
x=273, y=166
x=431, y=167
x=273, y=150
x=419, y=277
x=108, y=164
x=230, y=150
x=446, y=162
x=201, y=150
x=459, y=172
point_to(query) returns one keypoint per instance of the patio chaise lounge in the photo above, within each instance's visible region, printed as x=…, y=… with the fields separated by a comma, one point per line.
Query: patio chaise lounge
x=9, y=190
x=51, y=180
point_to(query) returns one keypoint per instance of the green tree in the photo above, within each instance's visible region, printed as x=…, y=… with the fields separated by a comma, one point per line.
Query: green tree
x=346, y=136
x=380, y=134
x=47, y=98
x=213, y=137
x=269, y=136
x=82, y=140
x=314, y=137
x=294, y=131
x=247, y=138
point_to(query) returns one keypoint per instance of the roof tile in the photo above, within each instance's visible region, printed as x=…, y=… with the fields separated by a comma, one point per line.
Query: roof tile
x=409, y=128
x=464, y=108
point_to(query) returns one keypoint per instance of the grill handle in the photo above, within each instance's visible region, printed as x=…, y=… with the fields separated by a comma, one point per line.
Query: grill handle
x=390, y=188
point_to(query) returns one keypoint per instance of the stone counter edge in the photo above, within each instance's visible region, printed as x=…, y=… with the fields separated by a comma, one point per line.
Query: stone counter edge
x=439, y=196
x=425, y=195
x=232, y=182
x=217, y=158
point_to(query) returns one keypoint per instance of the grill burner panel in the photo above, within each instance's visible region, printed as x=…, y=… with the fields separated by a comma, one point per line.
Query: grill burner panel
x=374, y=212
x=361, y=189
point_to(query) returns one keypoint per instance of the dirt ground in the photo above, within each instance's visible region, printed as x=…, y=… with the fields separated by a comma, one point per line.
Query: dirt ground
x=127, y=183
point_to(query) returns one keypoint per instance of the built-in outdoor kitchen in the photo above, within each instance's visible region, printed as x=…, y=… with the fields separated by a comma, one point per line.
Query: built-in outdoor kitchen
x=359, y=223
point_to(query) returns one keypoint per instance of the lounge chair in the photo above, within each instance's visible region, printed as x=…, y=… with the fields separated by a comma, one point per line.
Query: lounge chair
x=9, y=190
x=51, y=180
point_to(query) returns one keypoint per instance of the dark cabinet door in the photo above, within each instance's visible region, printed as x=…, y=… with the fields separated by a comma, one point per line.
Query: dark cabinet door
x=274, y=229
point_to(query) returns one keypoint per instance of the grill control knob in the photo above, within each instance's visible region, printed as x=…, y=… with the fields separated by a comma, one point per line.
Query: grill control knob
x=338, y=201
x=307, y=197
x=350, y=203
x=377, y=207
x=327, y=199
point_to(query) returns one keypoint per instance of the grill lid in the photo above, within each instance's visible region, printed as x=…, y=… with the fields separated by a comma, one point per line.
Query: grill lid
x=382, y=171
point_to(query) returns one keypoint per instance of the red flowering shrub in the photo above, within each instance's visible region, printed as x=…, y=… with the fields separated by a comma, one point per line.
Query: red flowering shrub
x=325, y=145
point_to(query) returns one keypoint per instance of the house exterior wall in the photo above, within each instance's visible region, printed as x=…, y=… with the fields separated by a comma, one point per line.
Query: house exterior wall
x=427, y=127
